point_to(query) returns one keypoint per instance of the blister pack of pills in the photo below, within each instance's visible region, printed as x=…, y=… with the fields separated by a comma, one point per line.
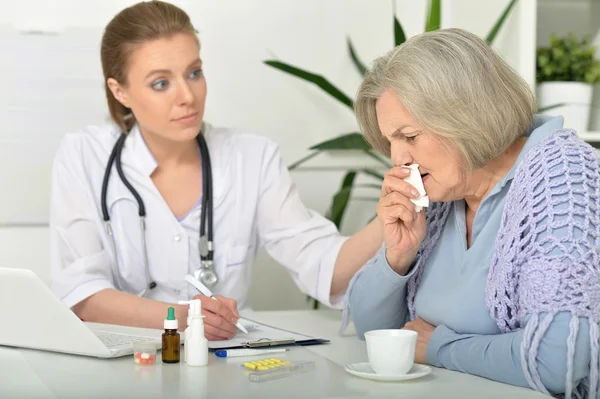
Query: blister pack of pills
x=273, y=368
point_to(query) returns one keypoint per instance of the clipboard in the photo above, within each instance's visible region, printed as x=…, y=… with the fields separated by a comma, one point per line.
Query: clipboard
x=265, y=336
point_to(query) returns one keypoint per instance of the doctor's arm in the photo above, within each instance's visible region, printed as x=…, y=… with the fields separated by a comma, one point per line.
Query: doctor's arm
x=319, y=259
x=354, y=253
x=116, y=307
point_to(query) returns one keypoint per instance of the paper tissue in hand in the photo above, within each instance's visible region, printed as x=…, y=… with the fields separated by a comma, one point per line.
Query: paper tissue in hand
x=415, y=180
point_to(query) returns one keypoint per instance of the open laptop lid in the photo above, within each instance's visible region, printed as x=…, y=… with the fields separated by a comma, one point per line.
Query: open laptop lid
x=33, y=317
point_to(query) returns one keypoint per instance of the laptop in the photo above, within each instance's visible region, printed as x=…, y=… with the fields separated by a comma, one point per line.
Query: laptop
x=34, y=317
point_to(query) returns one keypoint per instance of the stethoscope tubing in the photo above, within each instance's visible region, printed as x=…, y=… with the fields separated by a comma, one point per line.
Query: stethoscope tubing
x=206, y=240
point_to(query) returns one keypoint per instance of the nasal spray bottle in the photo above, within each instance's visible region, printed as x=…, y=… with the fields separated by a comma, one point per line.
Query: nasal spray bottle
x=195, y=343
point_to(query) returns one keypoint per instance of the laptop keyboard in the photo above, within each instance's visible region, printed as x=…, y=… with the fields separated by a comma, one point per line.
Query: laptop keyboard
x=112, y=340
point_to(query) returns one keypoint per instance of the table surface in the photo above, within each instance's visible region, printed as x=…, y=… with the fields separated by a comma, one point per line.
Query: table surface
x=38, y=374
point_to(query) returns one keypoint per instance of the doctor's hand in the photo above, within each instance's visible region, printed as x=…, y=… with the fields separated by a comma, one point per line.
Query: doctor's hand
x=220, y=317
x=403, y=227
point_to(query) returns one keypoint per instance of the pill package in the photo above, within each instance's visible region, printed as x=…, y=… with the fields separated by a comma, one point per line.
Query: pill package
x=273, y=368
x=145, y=358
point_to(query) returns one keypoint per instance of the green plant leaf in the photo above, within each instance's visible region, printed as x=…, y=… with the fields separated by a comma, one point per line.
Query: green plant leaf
x=315, y=304
x=304, y=159
x=549, y=107
x=361, y=185
x=366, y=199
x=357, y=63
x=341, y=198
x=492, y=35
x=435, y=16
x=399, y=36
x=313, y=78
x=372, y=173
x=349, y=141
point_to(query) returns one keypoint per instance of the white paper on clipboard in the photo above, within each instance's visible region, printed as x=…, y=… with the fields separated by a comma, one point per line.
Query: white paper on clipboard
x=261, y=332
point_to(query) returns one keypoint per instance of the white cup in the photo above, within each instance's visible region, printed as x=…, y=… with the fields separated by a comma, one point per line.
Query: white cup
x=391, y=352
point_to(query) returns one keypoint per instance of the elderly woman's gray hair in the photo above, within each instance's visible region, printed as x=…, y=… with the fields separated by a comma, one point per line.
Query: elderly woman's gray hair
x=456, y=86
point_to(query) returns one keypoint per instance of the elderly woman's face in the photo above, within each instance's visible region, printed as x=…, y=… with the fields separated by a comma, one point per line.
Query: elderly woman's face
x=440, y=167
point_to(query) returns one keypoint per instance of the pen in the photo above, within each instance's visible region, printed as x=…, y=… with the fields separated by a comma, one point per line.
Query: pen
x=246, y=352
x=206, y=292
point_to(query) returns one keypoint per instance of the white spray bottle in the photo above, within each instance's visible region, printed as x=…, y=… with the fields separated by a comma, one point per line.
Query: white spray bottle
x=186, y=333
x=195, y=343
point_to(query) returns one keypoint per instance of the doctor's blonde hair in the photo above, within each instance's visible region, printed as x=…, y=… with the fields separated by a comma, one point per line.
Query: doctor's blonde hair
x=457, y=87
x=135, y=25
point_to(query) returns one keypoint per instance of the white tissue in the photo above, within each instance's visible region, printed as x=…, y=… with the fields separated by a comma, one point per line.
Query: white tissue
x=415, y=180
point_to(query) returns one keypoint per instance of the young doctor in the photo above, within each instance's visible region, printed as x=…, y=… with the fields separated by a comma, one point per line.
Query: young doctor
x=129, y=198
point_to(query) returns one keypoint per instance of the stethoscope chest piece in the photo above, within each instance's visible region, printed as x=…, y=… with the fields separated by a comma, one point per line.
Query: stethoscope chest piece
x=207, y=276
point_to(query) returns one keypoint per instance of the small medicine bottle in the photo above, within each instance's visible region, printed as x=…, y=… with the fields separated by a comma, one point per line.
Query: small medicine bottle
x=170, y=339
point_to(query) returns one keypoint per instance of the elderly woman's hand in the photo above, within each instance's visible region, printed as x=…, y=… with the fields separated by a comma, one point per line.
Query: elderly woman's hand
x=424, y=331
x=404, y=228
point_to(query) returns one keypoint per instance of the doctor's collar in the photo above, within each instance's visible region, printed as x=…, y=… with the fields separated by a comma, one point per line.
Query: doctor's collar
x=136, y=150
x=137, y=153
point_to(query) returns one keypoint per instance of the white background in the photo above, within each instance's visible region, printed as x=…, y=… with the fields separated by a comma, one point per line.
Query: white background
x=52, y=84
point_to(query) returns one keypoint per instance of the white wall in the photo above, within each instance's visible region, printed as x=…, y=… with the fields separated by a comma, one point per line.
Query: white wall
x=53, y=84
x=564, y=16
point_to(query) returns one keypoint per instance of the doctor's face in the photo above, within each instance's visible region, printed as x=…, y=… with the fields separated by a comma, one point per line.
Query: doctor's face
x=166, y=89
x=444, y=177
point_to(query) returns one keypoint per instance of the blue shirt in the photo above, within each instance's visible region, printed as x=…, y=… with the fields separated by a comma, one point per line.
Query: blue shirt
x=451, y=296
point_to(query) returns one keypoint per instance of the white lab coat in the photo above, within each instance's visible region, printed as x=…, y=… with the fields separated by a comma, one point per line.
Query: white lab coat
x=255, y=205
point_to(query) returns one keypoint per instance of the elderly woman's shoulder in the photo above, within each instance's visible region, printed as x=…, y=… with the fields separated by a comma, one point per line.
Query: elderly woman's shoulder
x=561, y=156
x=557, y=179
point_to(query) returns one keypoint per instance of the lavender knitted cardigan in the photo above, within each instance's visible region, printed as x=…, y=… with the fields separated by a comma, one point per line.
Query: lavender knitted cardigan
x=533, y=272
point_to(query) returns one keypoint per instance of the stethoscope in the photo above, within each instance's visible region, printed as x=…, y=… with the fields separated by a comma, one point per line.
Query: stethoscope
x=206, y=274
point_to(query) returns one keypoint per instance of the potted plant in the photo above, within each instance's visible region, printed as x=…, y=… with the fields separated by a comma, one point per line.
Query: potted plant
x=566, y=72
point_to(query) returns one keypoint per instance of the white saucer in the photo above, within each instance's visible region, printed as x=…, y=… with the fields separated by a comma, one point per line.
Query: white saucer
x=364, y=370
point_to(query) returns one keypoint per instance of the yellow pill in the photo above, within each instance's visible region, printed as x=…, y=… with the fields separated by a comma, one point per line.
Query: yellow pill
x=275, y=360
x=250, y=366
x=286, y=362
x=262, y=368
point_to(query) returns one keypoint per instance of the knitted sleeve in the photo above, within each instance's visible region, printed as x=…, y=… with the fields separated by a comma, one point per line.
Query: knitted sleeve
x=547, y=253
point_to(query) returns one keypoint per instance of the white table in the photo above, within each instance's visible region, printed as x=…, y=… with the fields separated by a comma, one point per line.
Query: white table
x=37, y=374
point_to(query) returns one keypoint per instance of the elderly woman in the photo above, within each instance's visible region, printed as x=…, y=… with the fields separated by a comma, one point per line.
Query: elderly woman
x=500, y=276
